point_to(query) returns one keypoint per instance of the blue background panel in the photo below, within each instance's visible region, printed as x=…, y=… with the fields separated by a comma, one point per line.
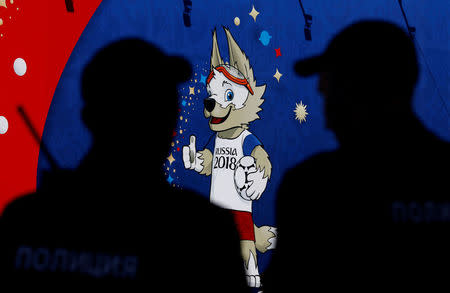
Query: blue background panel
x=287, y=141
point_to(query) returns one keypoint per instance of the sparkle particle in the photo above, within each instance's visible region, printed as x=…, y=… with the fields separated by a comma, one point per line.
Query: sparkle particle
x=254, y=13
x=171, y=159
x=300, y=112
x=277, y=75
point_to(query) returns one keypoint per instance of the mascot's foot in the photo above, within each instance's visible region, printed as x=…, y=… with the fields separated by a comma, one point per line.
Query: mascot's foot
x=252, y=273
x=253, y=281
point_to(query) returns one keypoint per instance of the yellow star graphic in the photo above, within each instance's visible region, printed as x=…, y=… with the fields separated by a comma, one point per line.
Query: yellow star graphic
x=3, y=3
x=254, y=13
x=171, y=159
x=300, y=112
x=192, y=90
x=278, y=75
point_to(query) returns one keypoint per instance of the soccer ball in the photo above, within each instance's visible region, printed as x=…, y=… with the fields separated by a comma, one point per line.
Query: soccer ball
x=244, y=167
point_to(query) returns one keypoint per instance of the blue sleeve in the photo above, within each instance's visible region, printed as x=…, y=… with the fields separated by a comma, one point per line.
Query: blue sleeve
x=250, y=142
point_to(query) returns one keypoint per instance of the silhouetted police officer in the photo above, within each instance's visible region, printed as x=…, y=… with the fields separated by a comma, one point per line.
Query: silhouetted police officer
x=114, y=222
x=373, y=214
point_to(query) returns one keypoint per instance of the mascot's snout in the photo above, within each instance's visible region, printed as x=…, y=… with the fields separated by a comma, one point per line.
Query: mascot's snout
x=209, y=104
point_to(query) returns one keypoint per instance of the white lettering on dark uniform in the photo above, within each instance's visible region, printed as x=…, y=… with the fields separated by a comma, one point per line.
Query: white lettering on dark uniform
x=96, y=265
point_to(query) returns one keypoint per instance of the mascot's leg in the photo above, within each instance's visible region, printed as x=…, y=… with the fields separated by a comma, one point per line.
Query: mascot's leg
x=248, y=251
x=245, y=227
x=265, y=238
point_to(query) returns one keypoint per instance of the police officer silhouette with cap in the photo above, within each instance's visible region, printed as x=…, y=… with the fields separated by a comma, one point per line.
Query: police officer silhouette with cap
x=114, y=222
x=372, y=214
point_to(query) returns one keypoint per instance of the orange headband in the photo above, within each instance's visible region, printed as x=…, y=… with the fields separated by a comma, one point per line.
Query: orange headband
x=241, y=81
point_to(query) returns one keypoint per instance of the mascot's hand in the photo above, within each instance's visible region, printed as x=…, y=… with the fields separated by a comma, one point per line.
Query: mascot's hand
x=258, y=186
x=191, y=157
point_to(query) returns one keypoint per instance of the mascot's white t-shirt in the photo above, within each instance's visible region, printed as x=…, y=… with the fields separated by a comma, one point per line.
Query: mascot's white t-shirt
x=226, y=154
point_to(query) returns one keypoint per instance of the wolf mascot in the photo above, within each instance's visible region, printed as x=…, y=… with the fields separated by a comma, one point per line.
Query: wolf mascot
x=233, y=102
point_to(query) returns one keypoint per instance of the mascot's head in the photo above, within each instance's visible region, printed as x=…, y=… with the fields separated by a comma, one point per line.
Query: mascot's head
x=234, y=98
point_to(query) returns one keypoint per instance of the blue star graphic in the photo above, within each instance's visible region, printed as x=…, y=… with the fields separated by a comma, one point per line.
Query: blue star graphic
x=203, y=79
x=265, y=38
x=183, y=103
x=170, y=179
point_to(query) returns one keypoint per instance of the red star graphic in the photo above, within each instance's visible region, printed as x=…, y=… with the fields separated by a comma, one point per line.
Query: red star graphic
x=278, y=52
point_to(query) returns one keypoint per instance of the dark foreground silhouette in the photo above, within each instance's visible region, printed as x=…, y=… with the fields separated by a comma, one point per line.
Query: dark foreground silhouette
x=375, y=213
x=114, y=222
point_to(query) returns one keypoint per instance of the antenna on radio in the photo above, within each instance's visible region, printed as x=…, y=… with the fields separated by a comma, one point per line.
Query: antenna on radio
x=54, y=166
x=412, y=31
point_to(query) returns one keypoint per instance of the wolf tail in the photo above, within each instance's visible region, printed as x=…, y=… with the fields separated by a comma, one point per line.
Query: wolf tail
x=265, y=238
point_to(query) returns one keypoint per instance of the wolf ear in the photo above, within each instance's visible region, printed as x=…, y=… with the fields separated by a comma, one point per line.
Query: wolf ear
x=238, y=58
x=216, y=60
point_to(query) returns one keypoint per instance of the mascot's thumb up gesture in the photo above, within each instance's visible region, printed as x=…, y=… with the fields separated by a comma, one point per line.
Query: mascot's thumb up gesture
x=195, y=160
